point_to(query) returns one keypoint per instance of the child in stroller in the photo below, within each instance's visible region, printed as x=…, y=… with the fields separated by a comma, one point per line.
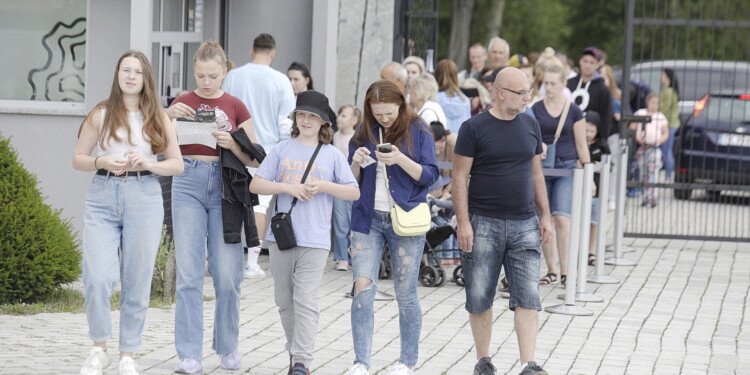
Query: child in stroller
x=439, y=239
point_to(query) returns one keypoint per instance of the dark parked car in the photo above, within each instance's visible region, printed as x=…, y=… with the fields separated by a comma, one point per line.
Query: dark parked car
x=695, y=79
x=713, y=145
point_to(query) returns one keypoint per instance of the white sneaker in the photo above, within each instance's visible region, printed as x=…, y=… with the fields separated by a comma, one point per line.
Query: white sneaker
x=399, y=369
x=127, y=366
x=96, y=361
x=188, y=366
x=254, y=272
x=342, y=265
x=357, y=369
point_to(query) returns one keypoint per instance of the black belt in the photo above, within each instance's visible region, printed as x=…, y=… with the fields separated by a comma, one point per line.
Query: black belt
x=105, y=172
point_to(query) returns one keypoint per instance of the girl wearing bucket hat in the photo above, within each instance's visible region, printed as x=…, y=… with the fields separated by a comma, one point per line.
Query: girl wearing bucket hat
x=298, y=271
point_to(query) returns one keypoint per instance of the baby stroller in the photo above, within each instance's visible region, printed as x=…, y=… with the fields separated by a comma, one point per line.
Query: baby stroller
x=431, y=273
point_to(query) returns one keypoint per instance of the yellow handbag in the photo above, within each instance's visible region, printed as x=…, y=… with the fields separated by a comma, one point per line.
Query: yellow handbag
x=411, y=223
x=407, y=223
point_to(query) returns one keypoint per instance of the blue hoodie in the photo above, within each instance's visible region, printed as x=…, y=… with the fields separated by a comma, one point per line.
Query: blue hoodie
x=457, y=109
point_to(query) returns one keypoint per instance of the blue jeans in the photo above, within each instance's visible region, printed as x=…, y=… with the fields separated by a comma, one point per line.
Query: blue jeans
x=342, y=218
x=406, y=255
x=667, y=154
x=198, y=232
x=560, y=189
x=512, y=244
x=125, y=214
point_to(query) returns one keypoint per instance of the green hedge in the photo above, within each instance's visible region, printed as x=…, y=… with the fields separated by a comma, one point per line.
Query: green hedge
x=38, y=251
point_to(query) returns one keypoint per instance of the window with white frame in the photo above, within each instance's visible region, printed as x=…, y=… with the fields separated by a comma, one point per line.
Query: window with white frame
x=44, y=50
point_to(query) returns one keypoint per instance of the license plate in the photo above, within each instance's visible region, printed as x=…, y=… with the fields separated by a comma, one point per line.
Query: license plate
x=727, y=139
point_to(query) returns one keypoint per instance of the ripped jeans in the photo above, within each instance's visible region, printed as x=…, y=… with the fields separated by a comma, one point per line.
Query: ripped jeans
x=406, y=255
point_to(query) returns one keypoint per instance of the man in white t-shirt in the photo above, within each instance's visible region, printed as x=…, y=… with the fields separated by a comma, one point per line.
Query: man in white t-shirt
x=269, y=97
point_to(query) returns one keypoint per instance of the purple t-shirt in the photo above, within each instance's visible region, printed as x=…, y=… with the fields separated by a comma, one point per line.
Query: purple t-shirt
x=286, y=163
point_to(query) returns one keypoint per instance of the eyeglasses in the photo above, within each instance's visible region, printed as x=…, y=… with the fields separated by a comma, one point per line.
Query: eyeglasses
x=521, y=93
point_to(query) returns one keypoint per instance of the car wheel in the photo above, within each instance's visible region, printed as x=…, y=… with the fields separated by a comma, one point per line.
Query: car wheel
x=682, y=194
x=713, y=195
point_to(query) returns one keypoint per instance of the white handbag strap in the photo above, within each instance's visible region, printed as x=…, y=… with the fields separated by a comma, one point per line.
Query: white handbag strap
x=385, y=173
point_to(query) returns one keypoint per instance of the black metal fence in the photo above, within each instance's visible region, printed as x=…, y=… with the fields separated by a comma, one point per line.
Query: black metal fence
x=416, y=30
x=706, y=44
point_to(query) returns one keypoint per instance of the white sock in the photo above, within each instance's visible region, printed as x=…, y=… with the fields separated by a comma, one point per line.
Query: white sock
x=252, y=256
x=524, y=366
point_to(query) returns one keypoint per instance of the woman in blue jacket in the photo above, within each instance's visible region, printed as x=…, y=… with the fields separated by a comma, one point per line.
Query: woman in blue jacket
x=411, y=169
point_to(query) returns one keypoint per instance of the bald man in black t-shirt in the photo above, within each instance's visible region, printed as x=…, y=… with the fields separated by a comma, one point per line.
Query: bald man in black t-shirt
x=497, y=217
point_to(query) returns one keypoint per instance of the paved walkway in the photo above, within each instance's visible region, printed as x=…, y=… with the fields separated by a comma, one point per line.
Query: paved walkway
x=681, y=310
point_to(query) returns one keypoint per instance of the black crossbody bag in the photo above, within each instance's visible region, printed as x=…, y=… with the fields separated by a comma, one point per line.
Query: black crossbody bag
x=281, y=223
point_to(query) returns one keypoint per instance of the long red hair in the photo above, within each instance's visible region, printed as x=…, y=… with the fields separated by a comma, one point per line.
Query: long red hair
x=154, y=124
x=399, y=133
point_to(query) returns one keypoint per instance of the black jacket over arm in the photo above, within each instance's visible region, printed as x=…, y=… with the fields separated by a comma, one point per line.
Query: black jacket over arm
x=236, y=199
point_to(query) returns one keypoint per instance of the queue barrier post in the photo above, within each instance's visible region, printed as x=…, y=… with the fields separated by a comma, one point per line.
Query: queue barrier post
x=568, y=307
x=601, y=229
x=585, y=227
x=622, y=175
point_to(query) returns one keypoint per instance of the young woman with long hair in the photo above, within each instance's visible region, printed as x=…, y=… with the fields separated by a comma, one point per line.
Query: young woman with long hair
x=124, y=211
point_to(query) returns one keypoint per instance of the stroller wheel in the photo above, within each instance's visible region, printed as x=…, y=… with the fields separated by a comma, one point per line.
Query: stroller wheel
x=385, y=270
x=428, y=276
x=442, y=278
x=458, y=276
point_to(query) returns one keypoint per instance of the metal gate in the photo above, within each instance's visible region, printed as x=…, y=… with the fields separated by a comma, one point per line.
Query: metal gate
x=416, y=30
x=706, y=44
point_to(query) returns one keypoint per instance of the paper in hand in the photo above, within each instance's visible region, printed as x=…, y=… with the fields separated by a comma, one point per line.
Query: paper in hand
x=368, y=160
x=198, y=129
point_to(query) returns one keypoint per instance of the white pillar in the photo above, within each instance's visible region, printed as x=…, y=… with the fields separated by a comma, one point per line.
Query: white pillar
x=141, y=22
x=325, y=29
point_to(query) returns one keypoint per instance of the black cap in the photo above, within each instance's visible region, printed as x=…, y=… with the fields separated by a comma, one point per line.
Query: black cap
x=491, y=78
x=593, y=51
x=313, y=102
x=593, y=118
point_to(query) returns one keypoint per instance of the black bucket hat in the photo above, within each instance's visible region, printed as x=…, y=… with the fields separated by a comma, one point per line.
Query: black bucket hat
x=316, y=103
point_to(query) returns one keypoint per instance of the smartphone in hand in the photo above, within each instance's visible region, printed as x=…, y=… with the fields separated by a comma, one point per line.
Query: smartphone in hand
x=384, y=148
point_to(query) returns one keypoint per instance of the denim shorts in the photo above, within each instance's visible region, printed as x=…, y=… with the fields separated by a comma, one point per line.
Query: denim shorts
x=560, y=189
x=595, y=210
x=512, y=244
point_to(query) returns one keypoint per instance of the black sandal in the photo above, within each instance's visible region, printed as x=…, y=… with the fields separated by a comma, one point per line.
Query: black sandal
x=563, y=279
x=549, y=278
x=592, y=259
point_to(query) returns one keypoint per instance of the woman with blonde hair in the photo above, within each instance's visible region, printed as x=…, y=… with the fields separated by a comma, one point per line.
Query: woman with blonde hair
x=423, y=91
x=546, y=60
x=414, y=66
x=202, y=218
x=456, y=106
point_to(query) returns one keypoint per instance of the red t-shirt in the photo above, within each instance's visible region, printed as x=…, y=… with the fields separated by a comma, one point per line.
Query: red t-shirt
x=230, y=112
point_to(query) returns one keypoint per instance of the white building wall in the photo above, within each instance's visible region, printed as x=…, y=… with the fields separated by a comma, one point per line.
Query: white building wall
x=45, y=143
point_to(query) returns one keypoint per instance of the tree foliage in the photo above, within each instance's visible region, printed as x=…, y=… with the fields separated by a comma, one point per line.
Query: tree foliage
x=38, y=249
x=571, y=25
